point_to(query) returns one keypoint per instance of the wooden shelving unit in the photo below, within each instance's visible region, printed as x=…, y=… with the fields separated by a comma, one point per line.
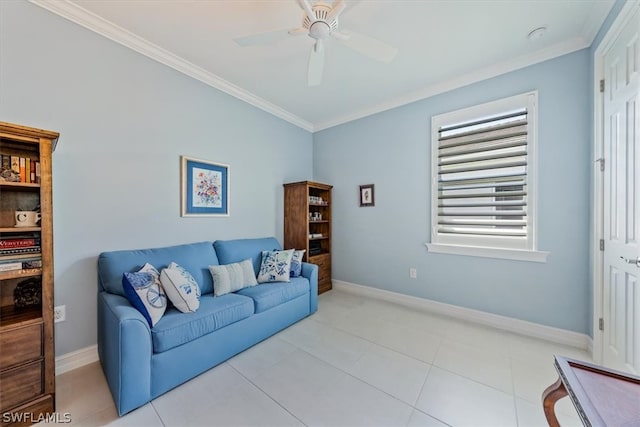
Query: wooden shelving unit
x=27, y=363
x=307, y=225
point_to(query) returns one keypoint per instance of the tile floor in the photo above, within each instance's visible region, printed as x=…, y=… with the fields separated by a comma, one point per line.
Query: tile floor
x=357, y=361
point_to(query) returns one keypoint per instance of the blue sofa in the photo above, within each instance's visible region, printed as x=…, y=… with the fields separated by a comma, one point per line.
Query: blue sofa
x=141, y=363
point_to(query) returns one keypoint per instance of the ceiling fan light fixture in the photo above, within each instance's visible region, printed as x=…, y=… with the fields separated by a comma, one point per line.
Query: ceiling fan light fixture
x=319, y=30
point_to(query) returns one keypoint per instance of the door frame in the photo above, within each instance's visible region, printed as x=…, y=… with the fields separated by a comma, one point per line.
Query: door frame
x=597, y=183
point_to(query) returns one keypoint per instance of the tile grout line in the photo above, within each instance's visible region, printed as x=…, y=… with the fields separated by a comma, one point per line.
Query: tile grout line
x=267, y=394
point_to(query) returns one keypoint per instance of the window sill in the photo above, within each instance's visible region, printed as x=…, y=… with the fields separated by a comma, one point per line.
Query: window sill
x=511, y=254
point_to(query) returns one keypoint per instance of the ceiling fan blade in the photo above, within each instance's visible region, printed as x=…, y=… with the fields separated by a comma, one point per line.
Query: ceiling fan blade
x=336, y=10
x=368, y=46
x=268, y=37
x=306, y=6
x=316, y=64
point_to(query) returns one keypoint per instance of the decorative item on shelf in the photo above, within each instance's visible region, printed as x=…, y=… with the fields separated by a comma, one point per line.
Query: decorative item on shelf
x=366, y=195
x=9, y=175
x=28, y=293
x=315, y=248
x=205, y=188
x=27, y=218
x=317, y=200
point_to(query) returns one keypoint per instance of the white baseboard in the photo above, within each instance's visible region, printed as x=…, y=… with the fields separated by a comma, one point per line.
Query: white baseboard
x=535, y=330
x=87, y=355
x=76, y=359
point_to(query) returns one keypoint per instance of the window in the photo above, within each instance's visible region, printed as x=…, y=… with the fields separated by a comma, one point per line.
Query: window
x=483, y=183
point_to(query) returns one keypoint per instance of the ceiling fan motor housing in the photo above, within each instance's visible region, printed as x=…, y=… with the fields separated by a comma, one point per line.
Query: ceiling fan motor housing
x=320, y=28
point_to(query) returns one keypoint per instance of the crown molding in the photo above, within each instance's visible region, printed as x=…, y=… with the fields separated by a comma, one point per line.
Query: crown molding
x=97, y=24
x=504, y=67
x=593, y=22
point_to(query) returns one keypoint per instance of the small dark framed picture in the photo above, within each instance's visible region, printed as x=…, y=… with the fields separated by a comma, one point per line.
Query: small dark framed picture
x=205, y=188
x=367, y=195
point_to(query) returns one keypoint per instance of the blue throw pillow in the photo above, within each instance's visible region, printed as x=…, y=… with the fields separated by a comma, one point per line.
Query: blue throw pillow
x=145, y=293
x=296, y=263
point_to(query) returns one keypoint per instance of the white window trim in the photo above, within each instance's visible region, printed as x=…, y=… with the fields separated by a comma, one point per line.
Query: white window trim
x=484, y=252
x=480, y=249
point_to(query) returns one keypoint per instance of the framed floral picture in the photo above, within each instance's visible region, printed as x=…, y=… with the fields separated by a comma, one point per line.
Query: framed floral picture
x=205, y=188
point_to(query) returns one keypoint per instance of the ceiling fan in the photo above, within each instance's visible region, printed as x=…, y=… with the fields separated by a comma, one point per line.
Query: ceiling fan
x=320, y=22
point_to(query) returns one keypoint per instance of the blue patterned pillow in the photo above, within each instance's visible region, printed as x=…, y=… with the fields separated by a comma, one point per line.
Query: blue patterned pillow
x=296, y=263
x=181, y=288
x=144, y=292
x=276, y=266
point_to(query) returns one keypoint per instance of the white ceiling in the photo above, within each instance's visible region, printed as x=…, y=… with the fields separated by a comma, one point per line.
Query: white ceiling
x=442, y=44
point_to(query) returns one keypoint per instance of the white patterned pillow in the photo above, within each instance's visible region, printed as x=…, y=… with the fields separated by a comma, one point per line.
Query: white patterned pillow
x=276, y=266
x=181, y=288
x=144, y=291
x=232, y=277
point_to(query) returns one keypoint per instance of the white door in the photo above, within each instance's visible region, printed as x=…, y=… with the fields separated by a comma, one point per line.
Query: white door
x=621, y=267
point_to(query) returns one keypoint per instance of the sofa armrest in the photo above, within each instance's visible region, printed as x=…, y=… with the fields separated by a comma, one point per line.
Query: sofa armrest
x=310, y=271
x=125, y=350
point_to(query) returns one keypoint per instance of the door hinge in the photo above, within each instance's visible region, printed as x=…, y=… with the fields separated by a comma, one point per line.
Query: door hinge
x=601, y=162
x=602, y=85
x=602, y=244
x=601, y=324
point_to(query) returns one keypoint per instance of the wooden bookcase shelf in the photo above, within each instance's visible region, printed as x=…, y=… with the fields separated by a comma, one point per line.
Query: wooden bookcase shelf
x=307, y=211
x=19, y=274
x=11, y=316
x=27, y=364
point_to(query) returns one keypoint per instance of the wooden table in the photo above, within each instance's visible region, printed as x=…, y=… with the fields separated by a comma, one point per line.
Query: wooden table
x=602, y=397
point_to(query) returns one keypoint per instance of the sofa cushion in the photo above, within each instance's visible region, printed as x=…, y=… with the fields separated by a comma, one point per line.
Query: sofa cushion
x=232, y=277
x=193, y=257
x=176, y=328
x=269, y=295
x=230, y=251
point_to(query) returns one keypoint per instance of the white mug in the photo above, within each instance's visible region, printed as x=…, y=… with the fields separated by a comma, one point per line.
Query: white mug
x=27, y=218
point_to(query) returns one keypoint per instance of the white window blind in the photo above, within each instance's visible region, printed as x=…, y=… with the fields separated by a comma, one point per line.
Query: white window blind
x=483, y=187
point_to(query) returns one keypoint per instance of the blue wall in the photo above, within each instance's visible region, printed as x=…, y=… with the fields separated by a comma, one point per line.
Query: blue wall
x=124, y=122
x=377, y=246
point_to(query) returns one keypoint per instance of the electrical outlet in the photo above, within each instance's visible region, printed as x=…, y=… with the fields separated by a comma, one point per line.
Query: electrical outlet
x=413, y=273
x=60, y=313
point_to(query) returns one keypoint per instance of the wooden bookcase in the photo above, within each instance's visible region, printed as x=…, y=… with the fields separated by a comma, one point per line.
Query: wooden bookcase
x=27, y=363
x=307, y=225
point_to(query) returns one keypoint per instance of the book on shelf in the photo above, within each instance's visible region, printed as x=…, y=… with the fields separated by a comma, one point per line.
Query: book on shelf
x=16, y=251
x=23, y=170
x=37, y=172
x=15, y=164
x=10, y=264
x=21, y=257
x=33, y=171
x=6, y=161
x=19, y=243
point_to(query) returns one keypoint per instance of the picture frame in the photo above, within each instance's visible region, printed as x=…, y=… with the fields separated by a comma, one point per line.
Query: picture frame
x=367, y=195
x=204, y=188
